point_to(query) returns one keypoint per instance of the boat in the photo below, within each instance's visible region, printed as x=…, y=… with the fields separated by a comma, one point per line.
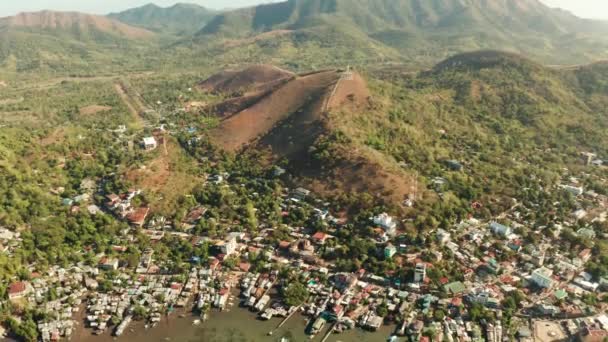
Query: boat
x=196, y=322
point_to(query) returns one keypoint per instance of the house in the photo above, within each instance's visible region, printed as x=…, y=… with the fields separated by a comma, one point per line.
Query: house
x=227, y=247
x=320, y=237
x=386, y=222
x=108, y=264
x=138, y=216
x=113, y=200
x=149, y=143
x=500, y=230
x=593, y=334
x=543, y=277
x=195, y=215
x=19, y=290
x=389, y=251
x=585, y=255
x=420, y=272
x=301, y=193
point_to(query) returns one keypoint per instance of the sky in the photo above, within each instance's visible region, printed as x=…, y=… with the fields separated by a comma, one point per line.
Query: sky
x=597, y=9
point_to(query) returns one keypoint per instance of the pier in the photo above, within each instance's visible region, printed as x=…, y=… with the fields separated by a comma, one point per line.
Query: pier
x=284, y=320
x=331, y=330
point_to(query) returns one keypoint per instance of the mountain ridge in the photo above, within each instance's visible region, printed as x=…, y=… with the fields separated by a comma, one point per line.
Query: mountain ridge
x=438, y=28
x=75, y=22
x=180, y=18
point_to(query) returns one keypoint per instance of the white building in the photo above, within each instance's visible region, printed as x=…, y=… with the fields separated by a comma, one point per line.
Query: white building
x=149, y=143
x=386, y=222
x=543, y=277
x=228, y=246
x=500, y=229
x=420, y=272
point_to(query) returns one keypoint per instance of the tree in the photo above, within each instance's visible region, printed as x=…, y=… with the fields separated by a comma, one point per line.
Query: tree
x=295, y=294
x=382, y=310
x=439, y=315
x=139, y=312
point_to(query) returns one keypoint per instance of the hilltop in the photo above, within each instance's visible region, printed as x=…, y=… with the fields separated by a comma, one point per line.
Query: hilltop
x=341, y=132
x=180, y=18
x=70, y=42
x=285, y=117
x=73, y=24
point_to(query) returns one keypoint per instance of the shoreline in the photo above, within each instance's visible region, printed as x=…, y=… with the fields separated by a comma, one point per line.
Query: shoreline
x=234, y=324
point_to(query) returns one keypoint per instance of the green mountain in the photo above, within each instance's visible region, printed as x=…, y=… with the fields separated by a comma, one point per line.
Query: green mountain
x=501, y=116
x=69, y=42
x=178, y=19
x=425, y=30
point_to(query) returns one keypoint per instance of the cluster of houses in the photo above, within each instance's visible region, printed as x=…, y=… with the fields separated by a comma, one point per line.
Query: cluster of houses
x=9, y=240
x=491, y=259
x=121, y=206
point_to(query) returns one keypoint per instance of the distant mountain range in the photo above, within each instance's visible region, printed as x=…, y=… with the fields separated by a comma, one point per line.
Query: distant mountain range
x=426, y=30
x=298, y=34
x=177, y=19
x=69, y=42
x=75, y=25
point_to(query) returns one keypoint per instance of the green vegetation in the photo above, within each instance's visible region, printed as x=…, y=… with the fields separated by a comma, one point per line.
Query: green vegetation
x=179, y=19
x=422, y=32
x=295, y=294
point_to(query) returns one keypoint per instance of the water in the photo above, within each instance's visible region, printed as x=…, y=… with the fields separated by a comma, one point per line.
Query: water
x=236, y=325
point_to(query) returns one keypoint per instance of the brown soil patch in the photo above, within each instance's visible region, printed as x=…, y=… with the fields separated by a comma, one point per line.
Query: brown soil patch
x=56, y=136
x=287, y=121
x=165, y=178
x=232, y=81
x=260, y=118
x=94, y=109
x=69, y=20
x=350, y=93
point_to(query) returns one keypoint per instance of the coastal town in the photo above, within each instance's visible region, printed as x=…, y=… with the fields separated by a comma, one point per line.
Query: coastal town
x=477, y=280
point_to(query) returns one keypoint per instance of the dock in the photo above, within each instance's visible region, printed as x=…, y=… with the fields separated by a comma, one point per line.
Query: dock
x=284, y=321
x=331, y=330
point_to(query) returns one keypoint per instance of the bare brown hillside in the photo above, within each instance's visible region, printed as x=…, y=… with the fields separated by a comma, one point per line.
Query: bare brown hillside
x=74, y=20
x=249, y=79
x=258, y=119
x=287, y=119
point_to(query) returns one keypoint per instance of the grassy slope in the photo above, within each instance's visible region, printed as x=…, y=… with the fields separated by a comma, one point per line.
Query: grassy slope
x=179, y=19
x=503, y=116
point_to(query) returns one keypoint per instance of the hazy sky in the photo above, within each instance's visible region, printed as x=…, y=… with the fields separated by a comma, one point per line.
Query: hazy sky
x=582, y=8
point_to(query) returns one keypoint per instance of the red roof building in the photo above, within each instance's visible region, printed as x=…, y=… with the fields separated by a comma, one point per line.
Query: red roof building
x=138, y=216
x=320, y=237
x=18, y=290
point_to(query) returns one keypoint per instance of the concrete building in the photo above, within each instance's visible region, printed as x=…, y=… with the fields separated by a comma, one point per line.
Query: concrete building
x=420, y=272
x=149, y=143
x=543, y=277
x=389, y=251
x=386, y=222
x=500, y=229
x=228, y=246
